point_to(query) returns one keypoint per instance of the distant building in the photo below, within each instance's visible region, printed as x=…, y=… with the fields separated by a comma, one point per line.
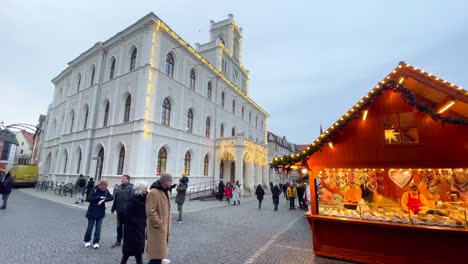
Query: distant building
x=25, y=147
x=8, y=144
x=279, y=146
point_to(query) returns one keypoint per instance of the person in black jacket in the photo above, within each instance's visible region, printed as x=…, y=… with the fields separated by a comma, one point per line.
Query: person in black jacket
x=135, y=225
x=275, y=195
x=300, y=195
x=260, y=193
x=96, y=213
x=221, y=187
x=89, y=187
x=5, y=188
x=123, y=195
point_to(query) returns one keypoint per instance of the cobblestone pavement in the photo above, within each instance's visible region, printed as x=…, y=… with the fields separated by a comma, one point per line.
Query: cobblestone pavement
x=36, y=230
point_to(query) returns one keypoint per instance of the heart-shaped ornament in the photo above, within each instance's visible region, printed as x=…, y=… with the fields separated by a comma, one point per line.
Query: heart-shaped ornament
x=400, y=178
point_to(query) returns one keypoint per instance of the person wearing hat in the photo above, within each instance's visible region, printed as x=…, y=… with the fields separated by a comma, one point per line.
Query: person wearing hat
x=158, y=213
x=413, y=200
x=181, y=192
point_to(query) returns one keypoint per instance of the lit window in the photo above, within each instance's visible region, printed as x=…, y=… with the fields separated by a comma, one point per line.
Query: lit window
x=162, y=161
x=400, y=128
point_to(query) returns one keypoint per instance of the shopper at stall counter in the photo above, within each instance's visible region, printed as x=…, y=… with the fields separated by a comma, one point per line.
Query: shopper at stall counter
x=352, y=195
x=413, y=200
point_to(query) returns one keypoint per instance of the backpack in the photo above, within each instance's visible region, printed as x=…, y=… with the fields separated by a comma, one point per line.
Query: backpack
x=90, y=194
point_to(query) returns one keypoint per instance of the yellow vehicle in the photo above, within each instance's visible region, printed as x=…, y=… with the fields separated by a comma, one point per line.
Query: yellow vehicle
x=24, y=175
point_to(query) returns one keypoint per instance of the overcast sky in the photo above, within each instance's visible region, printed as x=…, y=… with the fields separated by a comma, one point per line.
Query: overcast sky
x=309, y=61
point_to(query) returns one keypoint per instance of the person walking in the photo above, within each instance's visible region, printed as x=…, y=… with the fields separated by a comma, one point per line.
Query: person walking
x=236, y=195
x=158, y=212
x=285, y=189
x=134, y=231
x=260, y=193
x=228, y=192
x=5, y=189
x=221, y=187
x=122, y=197
x=180, y=197
x=292, y=195
x=271, y=185
x=275, y=195
x=300, y=195
x=89, y=187
x=96, y=213
x=80, y=186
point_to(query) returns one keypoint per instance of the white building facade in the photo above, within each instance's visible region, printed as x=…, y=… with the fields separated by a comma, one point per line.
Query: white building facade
x=24, y=150
x=146, y=102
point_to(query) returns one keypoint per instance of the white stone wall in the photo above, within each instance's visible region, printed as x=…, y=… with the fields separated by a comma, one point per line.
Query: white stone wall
x=142, y=139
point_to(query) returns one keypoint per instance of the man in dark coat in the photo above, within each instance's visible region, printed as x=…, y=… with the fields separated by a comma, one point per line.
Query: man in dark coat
x=80, y=186
x=300, y=195
x=260, y=193
x=271, y=186
x=135, y=225
x=123, y=195
x=221, y=187
x=89, y=187
x=5, y=188
x=275, y=195
x=180, y=197
x=96, y=213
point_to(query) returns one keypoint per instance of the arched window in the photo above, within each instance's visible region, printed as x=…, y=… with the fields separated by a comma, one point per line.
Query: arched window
x=78, y=166
x=112, y=69
x=256, y=121
x=234, y=107
x=106, y=114
x=192, y=79
x=190, y=121
x=170, y=65
x=78, y=82
x=221, y=132
x=222, y=99
x=250, y=117
x=128, y=104
x=93, y=73
x=242, y=112
x=221, y=170
x=121, y=161
x=162, y=161
x=86, y=117
x=72, y=121
x=208, y=93
x=208, y=127
x=65, y=163
x=100, y=164
x=187, y=160
x=233, y=132
x=166, y=112
x=133, y=59
x=205, y=165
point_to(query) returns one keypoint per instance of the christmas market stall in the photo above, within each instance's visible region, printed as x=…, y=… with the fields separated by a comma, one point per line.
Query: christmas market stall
x=389, y=179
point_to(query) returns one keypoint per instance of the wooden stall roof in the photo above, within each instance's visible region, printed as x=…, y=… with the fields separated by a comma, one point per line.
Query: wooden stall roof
x=437, y=93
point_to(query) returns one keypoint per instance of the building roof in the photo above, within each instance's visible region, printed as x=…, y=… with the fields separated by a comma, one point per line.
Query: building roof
x=282, y=141
x=8, y=136
x=449, y=104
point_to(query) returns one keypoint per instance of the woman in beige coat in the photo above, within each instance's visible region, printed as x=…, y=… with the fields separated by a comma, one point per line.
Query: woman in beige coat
x=158, y=212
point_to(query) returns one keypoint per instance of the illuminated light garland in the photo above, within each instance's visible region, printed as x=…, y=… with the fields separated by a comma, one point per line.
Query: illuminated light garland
x=150, y=79
x=407, y=96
